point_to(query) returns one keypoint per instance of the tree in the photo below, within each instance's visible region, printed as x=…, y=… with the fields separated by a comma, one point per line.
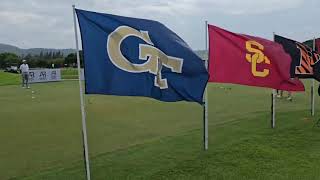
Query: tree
x=8, y=59
x=58, y=63
x=41, y=55
x=50, y=55
x=28, y=57
x=71, y=59
x=46, y=56
x=42, y=63
x=54, y=55
x=59, y=54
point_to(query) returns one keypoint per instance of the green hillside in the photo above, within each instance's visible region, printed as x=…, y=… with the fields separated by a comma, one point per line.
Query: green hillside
x=9, y=78
x=33, y=51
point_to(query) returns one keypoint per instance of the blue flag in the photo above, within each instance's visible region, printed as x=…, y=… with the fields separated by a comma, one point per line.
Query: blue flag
x=137, y=57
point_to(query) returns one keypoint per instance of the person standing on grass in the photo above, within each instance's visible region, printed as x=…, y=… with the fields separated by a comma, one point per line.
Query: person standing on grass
x=24, y=68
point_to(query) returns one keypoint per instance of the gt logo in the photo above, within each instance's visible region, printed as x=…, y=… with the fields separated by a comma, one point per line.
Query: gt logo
x=256, y=58
x=154, y=57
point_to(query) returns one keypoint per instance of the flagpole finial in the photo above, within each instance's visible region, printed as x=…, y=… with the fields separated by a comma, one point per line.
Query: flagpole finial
x=73, y=5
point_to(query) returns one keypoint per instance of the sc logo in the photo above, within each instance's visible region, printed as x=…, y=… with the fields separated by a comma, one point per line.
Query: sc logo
x=256, y=58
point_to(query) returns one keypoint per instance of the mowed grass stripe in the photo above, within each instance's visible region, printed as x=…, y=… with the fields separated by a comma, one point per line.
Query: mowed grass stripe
x=43, y=135
x=249, y=151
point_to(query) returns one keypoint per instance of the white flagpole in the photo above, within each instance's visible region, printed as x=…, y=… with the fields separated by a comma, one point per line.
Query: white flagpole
x=273, y=109
x=312, y=85
x=83, y=113
x=205, y=106
x=273, y=106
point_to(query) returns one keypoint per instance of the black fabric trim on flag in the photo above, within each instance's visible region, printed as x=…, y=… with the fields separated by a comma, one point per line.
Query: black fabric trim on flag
x=291, y=47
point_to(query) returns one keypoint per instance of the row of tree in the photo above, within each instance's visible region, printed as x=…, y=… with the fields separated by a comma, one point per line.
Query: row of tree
x=43, y=60
x=46, y=55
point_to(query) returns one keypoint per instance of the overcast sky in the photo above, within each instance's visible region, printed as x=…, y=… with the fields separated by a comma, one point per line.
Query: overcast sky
x=49, y=23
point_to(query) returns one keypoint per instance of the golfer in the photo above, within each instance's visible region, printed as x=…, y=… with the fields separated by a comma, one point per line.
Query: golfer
x=24, y=68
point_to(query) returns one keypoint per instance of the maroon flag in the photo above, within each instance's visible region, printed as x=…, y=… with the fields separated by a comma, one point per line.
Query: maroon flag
x=247, y=60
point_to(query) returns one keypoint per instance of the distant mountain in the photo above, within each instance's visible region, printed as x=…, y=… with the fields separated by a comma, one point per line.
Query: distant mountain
x=33, y=51
x=36, y=51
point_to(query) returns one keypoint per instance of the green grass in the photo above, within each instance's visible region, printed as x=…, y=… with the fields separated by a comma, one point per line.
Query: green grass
x=9, y=78
x=140, y=138
x=69, y=73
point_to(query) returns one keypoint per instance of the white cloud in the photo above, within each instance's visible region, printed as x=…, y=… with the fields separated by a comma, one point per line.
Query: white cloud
x=48, y=23
x=250, y=6
x=195, y=6
x=18, y=17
